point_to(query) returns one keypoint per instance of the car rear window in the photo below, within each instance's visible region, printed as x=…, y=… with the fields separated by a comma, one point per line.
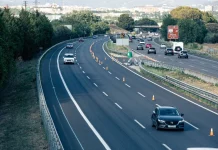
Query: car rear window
x=170, y=49
x=152, y=48
x=69, y=56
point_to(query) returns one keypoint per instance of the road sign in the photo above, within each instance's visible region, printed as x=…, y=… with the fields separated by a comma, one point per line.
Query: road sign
x=173, y=32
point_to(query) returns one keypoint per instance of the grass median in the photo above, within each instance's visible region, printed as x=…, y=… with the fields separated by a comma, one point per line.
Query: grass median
x=191, y=80
x=20, y=123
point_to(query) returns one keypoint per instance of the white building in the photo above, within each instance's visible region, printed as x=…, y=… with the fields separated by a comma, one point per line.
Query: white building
x=208, y=8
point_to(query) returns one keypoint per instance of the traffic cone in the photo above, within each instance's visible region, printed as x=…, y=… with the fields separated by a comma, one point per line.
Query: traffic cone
x=153, y=98
x=124, y=79
x=211, y=132
x=106, y=68
x=105, y=58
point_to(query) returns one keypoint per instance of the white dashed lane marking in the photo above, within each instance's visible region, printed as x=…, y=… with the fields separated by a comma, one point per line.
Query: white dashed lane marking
x=139, y=124
x=141, y=94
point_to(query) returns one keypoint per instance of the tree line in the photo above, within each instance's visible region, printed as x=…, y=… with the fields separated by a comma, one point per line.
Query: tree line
x=126, y=22
x=24, y=36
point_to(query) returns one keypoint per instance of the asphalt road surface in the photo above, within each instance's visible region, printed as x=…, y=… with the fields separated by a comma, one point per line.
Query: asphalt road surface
x=94, y=109
x=205, y=66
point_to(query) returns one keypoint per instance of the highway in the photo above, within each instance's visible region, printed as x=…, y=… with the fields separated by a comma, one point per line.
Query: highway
x=93, y=108
x=205, y=66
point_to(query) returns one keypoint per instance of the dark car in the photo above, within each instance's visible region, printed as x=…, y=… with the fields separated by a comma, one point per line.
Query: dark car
x=133, y=37
x=151, y=50
x=140, y=47
x=167, y=117
x=169, y=51
x=183, y=54
x=94, y=36
x=149, y=38
x=81, y=40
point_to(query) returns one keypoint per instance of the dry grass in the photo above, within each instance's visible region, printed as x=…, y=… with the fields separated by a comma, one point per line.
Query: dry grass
x=115, y=29
x=20, y=120
x=114, y=47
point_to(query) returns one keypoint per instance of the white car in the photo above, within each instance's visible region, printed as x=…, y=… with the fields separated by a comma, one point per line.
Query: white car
x=163, y=46
x=69, y=45
x=69, y=58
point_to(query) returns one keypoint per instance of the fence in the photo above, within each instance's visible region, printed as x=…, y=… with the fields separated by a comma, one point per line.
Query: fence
x=54, y=141
x=191, y=89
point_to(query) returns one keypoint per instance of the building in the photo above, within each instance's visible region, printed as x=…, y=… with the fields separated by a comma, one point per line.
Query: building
x=208, y=8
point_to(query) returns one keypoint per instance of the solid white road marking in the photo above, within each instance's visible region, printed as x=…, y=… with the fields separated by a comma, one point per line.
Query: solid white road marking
x=104, y=93
x=118, y=106
x=141, y=94
x=83, y=71
x=79, y=109
x=88, y=77
x=191, y=125
x=117, y=78
x=109, y=72
x=185, y=121
x=128, y=85
x=139, y=124
x=95, y=84
x=167, y=147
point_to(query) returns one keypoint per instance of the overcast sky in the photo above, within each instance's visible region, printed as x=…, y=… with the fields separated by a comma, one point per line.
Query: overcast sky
x=105, y=3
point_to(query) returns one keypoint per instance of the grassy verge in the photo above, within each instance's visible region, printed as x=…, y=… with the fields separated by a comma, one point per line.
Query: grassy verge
x=122, y=49
x=20, y=123
x=184, y=78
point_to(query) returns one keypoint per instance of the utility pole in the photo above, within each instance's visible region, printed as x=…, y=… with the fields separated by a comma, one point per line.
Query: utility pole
x=36, y=4
x=25, y=4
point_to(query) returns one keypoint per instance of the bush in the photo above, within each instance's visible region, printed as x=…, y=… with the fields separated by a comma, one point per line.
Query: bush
x=211, y=38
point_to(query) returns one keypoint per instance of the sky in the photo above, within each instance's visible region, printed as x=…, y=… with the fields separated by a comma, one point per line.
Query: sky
x=105, y=3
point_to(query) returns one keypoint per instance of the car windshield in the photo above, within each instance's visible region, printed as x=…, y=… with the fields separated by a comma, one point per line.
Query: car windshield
x=169, y=112
x=139, y=45
x=68, y=56
x=142, y=40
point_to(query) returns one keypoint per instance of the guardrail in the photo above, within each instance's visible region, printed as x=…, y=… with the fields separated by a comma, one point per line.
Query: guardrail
x=191, y=89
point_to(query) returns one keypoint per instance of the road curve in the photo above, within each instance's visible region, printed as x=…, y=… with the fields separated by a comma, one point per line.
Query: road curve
x=205, y=66
x=119, y=111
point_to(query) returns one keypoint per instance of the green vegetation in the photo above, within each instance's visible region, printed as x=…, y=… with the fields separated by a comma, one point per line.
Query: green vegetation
x=21, y=124
x=21, y=40
x=126, y=22
x=114, y=47
x=194, y=25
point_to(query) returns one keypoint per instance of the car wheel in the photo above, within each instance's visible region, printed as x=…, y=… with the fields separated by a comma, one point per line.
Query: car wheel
x=165, y=54
x=181, y=129
x=178, y=57
x=173, y=54
x=187, y=57
x=154, y=52
x=148, y=52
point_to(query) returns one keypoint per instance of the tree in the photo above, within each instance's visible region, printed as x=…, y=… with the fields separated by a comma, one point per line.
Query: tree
x=212, y=27
x=208, y=17
x=146, y=21
x=126, y=22
x=186, y=12
x=168, y=20
x=191, y=31
x=100, y=28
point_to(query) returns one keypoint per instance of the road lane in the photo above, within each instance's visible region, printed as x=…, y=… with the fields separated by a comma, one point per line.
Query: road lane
x=199, y=64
